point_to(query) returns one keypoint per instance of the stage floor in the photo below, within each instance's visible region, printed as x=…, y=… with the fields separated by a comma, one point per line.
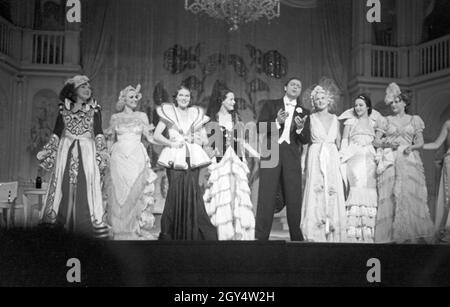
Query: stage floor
x=40, y=258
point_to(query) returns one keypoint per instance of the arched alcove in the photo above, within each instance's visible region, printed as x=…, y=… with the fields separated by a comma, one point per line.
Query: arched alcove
x=43, y=116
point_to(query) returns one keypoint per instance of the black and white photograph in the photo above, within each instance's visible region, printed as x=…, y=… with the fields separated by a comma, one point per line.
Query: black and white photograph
x=224, y=149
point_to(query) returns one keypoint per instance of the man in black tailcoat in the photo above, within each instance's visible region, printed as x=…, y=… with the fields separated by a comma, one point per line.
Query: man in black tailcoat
x=281, y=150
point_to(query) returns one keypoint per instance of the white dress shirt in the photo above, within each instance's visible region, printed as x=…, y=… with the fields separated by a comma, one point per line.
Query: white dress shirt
x=289, y=106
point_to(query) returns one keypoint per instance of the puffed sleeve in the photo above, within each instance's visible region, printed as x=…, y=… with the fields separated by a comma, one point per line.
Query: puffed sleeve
x=381, y=124
x=418, y=124
x=350, y=122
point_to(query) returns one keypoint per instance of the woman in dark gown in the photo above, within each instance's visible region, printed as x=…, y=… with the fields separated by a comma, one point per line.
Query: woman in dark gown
x=184, y=216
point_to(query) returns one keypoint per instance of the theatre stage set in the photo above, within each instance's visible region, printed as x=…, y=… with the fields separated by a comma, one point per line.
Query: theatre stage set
x=161, y=44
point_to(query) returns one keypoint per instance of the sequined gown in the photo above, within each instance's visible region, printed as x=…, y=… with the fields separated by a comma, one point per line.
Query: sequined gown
x=131, y=181
x=403, y=215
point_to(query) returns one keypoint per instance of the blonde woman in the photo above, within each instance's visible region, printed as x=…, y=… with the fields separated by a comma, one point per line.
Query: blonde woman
x=131, y=184
x=323, y=209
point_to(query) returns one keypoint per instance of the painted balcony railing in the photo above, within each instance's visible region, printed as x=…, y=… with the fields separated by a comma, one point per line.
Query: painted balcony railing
x=384, y=62
x=32, y=48
x=434, y=56
x=10, y=39
x=48, y=47
x=409, y=62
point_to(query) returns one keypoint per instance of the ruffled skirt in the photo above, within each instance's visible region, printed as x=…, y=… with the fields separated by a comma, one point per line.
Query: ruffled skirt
x=227, y=199
x=403, y=215
x=362, y=199
x=130, y=192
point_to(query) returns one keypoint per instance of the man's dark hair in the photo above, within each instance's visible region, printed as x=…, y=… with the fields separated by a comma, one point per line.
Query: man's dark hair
x=293, y=78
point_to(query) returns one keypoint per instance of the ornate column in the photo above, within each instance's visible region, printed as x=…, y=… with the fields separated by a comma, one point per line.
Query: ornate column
x=18, y=135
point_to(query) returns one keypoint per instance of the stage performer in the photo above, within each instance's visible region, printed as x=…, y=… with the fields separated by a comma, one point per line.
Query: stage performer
x=403, y=215
x=184, y=216
x=442, y=219
x=323, y=209
x=359, y=169
x=77, y=156
x=227, y=198
x=292, y=122
x=130, y=184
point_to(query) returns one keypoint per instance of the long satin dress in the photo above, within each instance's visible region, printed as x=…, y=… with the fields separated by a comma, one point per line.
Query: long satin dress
x=323, y=210
x=131, y=185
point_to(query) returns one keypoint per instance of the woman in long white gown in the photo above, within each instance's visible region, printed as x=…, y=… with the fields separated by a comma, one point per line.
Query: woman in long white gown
x=131, y=184
x=323, y=209
x=359, y=169
x=442, y=218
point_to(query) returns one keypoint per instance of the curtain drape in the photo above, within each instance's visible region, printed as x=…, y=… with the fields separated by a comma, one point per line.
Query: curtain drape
x=160, y=45
x=96, y=34
x=334, y=23
x=128, y=42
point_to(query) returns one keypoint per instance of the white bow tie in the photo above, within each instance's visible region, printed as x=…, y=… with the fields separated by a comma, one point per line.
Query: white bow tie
x=291, y=103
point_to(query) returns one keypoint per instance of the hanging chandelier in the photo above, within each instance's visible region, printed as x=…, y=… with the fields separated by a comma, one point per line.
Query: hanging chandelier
x=235, y=12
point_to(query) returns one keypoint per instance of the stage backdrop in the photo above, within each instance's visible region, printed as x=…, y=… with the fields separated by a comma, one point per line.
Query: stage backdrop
x=160, y=45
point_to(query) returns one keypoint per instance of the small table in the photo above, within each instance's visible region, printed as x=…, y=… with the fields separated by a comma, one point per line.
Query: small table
x=28, y=207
